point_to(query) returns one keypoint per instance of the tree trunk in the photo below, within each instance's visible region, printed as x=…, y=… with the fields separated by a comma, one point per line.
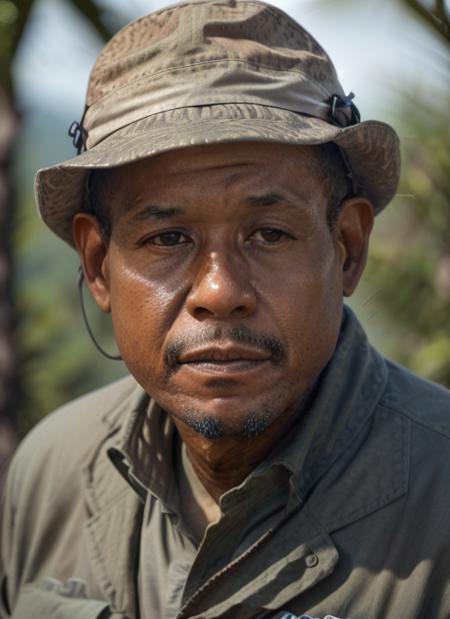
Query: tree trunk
x=8, y=356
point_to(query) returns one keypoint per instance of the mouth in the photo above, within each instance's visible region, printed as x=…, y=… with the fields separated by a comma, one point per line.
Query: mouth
x=223, y=360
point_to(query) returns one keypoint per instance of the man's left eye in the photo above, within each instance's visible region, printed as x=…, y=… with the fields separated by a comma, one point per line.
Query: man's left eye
x=168, y=239
x=270, y=235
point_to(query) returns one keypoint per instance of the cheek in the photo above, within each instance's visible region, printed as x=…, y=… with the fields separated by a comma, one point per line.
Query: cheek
x=142, y=313
x=309, y=307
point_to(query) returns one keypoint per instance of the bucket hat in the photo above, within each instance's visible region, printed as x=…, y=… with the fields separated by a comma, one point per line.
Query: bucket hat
x=211, y=71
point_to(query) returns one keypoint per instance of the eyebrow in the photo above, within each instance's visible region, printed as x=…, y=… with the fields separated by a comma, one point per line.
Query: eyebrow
x=151, y=211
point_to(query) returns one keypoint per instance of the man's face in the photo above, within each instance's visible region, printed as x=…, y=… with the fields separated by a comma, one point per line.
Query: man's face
x=224, y=280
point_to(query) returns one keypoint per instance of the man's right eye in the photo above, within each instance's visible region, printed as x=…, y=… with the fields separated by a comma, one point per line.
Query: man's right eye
x=168, y=239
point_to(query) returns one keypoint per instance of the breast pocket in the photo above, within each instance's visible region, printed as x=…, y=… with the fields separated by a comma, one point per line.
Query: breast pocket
x=34, y=602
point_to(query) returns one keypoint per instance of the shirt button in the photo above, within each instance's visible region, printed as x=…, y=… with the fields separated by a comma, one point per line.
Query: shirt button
x=311, y=560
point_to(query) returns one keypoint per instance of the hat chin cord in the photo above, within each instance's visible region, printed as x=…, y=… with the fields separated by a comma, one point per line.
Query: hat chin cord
x=80, y=281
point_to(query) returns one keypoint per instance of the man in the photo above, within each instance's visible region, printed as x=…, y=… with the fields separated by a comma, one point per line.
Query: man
x=262, y=460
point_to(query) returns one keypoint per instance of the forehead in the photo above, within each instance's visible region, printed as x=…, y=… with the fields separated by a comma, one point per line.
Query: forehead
x=233, y=168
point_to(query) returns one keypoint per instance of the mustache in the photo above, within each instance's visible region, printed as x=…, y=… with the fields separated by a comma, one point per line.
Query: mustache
x=217, y=336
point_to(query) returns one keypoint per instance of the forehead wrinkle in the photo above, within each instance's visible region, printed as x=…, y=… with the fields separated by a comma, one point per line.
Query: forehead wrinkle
x=264, y=194
x=269, y=198
x=274, y=198
x=233, y=177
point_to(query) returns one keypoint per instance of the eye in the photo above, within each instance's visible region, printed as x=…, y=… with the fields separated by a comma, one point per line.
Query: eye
x=270, y=235
x=168, y=239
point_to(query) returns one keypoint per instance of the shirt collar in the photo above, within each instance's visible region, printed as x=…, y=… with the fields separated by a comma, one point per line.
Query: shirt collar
x=343, y=399
x=146, y=452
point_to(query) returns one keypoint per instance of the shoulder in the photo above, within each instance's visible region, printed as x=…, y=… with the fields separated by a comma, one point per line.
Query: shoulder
x=423, y=402
x=66, y=439
x=46, y=503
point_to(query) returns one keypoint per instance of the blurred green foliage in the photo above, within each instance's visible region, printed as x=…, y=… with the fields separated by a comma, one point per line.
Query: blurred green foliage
x=52, y=362
x=57, y=360
x=9, y=14
x=13, y=19
x=410, y=256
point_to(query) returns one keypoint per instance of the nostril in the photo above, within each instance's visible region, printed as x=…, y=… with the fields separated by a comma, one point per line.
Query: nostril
x=201, y=312
x=239, y=311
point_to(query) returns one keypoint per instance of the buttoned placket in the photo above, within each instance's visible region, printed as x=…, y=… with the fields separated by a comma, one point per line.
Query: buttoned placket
x=305, y=564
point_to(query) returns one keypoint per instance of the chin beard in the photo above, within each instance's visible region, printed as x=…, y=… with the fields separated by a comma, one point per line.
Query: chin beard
x=252, y=425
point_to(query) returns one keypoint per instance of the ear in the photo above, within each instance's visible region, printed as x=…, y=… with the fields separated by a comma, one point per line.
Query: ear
x=353, y=229
x=93, y=252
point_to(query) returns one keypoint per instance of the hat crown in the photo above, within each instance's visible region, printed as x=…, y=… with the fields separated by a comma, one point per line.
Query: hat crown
x=208, y=52
x=206, y=31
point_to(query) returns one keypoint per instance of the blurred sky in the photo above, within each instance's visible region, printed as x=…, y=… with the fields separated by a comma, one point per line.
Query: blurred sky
x=376, y=45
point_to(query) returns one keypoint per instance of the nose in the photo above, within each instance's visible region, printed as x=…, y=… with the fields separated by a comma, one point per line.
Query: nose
x=221, y=289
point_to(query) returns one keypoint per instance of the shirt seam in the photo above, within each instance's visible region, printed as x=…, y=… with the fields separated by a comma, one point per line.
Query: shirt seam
x=409, y=415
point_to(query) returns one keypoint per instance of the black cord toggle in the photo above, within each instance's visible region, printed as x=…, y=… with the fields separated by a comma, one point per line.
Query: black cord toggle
x=79, y=136
x=343, y=112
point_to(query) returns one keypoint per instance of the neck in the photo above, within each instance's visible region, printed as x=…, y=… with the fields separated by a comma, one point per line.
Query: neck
x=224, y=463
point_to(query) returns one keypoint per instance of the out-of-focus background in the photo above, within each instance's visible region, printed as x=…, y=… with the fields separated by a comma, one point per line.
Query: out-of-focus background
x=393, y=54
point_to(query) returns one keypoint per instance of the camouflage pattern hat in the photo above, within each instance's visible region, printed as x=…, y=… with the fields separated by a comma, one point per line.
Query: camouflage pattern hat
x=210, y=71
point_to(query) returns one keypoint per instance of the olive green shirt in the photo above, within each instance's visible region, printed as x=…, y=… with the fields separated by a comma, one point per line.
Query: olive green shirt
x=170, y=541
x=360, y=529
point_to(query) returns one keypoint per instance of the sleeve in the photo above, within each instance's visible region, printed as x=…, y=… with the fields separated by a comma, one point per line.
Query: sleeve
x=12, y=531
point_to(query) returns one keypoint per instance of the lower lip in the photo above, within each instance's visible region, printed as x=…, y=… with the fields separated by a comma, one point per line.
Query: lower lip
x=237, y=366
